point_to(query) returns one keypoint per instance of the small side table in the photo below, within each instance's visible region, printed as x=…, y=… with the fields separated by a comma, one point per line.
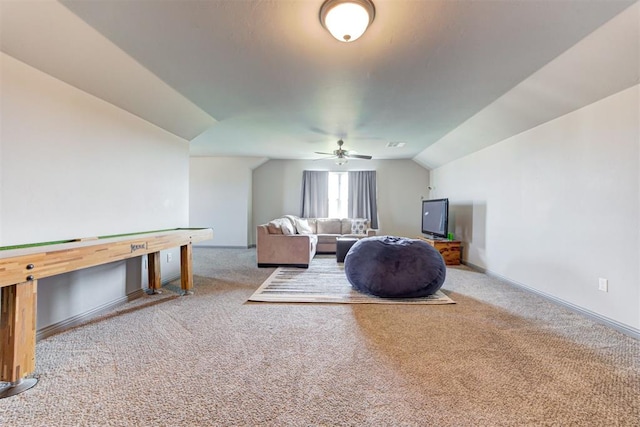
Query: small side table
x=451, y=250
x=343, y=244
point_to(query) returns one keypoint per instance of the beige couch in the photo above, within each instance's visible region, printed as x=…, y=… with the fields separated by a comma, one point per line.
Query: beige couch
x=294, y=241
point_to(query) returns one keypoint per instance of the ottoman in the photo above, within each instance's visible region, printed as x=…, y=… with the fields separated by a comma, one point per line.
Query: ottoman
x=394, y=267
x=343, y=244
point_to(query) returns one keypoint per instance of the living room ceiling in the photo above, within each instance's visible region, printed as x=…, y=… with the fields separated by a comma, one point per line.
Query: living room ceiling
x=265, y=79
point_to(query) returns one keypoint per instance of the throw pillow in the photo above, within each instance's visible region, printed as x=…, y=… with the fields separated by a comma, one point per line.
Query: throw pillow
x=303, y=227
x=291, y=218
x=287, y=226
x=281, y=226
x=312, y=224
x=359, y=226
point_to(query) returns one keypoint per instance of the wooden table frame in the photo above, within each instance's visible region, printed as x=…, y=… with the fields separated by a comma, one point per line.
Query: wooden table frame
x=20, y=270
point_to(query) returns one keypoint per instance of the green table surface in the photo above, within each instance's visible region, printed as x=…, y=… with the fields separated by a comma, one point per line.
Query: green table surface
x=57, y=242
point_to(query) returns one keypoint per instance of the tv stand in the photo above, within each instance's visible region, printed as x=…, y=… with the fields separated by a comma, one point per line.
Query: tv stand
x=451, y=250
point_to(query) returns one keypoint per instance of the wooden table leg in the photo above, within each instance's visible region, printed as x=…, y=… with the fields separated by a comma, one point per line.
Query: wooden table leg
x=18, y=336
x=155, y=282
x=186, y=269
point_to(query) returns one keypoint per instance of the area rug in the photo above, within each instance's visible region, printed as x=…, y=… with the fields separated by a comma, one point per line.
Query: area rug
x=325, y=282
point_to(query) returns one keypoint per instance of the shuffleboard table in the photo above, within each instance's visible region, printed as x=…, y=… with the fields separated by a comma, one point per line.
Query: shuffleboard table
x=21, y=266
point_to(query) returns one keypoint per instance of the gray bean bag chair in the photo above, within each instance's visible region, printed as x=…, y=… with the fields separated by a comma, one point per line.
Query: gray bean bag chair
x=394, y=267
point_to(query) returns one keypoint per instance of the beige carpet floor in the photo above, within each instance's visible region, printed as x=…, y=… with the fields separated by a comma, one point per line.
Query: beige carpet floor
x=498, y=357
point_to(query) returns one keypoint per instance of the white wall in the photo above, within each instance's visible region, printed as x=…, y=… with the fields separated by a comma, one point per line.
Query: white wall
x=234, y=194
x=557, y=207
x=401, y=185
x=75, y=166
x=220, y=192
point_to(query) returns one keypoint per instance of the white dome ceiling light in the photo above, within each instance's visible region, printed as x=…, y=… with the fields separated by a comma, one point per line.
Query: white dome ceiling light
x=347, y=20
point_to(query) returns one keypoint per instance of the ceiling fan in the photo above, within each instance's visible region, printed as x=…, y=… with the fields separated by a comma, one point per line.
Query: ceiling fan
x=342, y=155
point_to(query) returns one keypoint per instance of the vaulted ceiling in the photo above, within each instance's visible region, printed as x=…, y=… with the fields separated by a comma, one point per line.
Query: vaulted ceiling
x=263, y=78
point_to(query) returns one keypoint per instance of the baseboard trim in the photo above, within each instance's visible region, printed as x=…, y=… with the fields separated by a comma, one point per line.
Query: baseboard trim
x=171, y=278
x=69, y=323
x=627, y=330
x=56, y=328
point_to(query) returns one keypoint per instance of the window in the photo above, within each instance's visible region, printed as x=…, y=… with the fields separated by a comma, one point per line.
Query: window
x=338, y=194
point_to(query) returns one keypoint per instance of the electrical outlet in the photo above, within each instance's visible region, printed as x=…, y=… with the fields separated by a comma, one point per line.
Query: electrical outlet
x=169, y=257
x=603, y=285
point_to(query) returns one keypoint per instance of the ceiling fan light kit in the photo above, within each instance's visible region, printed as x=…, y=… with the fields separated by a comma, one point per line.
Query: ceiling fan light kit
x=342, y=156
x=347, y=20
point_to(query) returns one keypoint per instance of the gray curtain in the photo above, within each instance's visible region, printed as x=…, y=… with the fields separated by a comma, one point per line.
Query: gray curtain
x=362, y=196
x=315, y=194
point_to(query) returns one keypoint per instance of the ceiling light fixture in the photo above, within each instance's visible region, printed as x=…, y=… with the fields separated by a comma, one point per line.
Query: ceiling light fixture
x=347, y=20
x=341, y=161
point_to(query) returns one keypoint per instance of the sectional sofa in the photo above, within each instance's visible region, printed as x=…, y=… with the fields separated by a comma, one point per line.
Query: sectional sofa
x=294, y=241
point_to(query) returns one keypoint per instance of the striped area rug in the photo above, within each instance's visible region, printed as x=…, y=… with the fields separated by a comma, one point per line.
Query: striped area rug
x=325, y=282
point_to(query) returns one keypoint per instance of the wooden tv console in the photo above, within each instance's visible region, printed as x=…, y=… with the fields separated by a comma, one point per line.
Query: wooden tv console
x=21, y=267
x=451, y=250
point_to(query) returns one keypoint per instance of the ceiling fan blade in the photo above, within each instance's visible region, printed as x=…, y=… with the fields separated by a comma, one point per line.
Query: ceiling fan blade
x=359, y=156
x=328, y=154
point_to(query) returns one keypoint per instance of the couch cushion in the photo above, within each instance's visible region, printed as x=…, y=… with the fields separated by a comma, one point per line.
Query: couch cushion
x=312, y=225
x=328, y=238
x=328, y=226
x=355, y=236
x=346, y=225
x=359, y=226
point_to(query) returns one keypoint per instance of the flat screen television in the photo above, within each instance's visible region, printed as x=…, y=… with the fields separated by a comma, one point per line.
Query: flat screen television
x=435, y=218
